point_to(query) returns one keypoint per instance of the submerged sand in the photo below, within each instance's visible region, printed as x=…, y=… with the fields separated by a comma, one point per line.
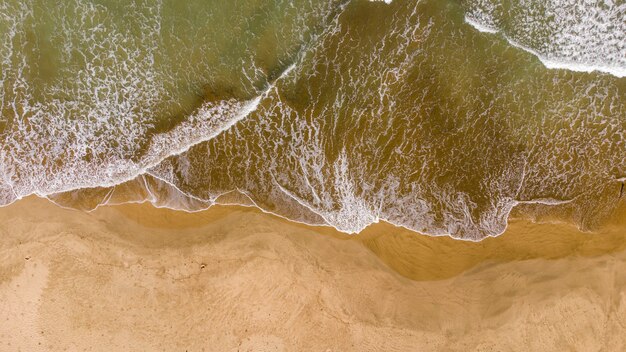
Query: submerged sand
x=137, y=278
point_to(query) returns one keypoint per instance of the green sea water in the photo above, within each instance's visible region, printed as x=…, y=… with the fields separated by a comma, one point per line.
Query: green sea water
x=443, y=116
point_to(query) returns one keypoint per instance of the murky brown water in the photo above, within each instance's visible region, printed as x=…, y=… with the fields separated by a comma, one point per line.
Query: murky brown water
x=327, y=112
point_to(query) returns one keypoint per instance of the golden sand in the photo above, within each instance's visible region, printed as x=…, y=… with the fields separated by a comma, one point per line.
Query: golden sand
x=137, y=278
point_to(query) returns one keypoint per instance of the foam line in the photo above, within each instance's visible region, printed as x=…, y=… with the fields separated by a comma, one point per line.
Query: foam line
x=548, y=62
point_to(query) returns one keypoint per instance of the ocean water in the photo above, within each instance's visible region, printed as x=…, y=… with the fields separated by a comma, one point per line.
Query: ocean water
x=443, y=116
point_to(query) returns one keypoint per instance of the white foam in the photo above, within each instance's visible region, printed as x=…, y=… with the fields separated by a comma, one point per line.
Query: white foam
x=570, y=65
x=584, y=36
x=480, y=26
x=105, y=111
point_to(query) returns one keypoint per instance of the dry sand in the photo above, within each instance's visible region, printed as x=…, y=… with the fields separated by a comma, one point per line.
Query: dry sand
x=135, y=278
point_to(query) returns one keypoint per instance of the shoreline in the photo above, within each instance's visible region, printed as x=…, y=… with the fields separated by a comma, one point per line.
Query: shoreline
x=560, y=238
x=135, y=277
x=513, y=214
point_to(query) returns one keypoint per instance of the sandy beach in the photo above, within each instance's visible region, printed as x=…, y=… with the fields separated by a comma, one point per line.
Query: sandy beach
x=136, y=278
x=334, y=136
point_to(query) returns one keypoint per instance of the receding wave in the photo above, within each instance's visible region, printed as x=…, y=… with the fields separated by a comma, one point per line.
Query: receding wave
x=339, y=113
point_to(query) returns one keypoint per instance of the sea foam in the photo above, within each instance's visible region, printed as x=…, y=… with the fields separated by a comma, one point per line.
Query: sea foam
x=575, y=35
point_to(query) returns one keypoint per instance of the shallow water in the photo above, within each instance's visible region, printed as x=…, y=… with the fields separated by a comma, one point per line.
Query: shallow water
x=440, y=116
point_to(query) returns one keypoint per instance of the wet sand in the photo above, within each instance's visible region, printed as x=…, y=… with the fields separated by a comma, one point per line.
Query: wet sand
x=137, y=278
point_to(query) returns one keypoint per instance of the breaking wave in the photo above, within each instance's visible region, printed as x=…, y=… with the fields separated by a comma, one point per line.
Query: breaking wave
x=577, y=35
